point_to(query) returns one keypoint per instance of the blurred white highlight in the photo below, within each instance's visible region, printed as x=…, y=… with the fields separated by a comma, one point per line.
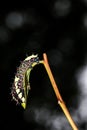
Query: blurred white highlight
x=49, y=119
x=82, y=83
x=82, y=80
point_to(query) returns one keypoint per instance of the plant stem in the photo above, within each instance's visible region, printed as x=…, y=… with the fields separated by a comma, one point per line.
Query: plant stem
x=58, y=95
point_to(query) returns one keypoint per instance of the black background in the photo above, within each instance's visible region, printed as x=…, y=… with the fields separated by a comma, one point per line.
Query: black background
x=46, y=29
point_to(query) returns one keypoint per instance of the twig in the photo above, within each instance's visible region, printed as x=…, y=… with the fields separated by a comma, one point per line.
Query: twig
x=58, y=95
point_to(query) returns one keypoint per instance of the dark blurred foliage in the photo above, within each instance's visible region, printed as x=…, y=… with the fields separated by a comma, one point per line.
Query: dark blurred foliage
x=56, y=27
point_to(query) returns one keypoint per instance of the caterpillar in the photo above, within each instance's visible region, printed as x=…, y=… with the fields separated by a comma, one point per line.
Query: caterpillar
x=21, y=85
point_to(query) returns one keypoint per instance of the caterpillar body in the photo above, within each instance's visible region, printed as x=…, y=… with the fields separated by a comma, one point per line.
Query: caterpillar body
x=21, y=85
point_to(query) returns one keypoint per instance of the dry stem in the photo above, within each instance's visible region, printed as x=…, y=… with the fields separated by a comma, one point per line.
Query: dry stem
x=58, y=95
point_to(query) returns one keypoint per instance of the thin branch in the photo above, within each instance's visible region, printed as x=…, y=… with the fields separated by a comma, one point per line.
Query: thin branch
x=58, y=95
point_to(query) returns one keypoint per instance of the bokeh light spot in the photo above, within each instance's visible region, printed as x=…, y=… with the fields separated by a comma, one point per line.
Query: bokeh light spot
x=14, y=20
x=61, y=7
